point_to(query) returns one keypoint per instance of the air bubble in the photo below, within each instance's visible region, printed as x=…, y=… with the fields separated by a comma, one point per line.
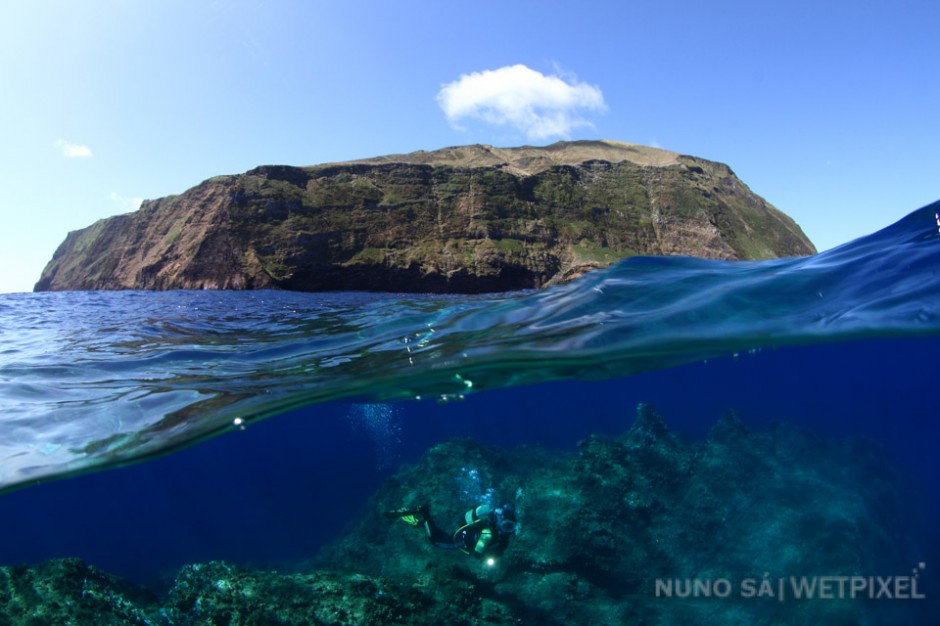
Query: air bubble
x=379, y=422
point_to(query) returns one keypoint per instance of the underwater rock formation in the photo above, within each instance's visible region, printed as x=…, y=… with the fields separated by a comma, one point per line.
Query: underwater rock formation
x=468, y=219
x=67, y=591
x=598, y=529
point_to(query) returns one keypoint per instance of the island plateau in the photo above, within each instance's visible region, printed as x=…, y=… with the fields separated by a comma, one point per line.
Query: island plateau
x=469, y=219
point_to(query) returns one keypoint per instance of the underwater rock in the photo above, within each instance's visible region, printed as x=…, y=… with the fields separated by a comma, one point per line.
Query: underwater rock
x=68, y=591
x=601, y=531
x=220, y=593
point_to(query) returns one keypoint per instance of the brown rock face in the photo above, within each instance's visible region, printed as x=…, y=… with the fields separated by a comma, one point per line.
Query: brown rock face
x=463, y=220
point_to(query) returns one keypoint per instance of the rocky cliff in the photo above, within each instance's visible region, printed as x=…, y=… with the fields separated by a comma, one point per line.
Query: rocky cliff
x=465, y=219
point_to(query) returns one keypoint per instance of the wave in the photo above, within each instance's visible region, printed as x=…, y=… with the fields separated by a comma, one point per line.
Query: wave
x=95, y=379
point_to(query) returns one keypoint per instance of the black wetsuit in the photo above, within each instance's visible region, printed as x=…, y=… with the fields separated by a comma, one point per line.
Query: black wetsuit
x=479, y=536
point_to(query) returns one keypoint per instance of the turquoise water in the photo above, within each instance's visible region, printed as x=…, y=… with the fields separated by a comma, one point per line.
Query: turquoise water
x=361, y=386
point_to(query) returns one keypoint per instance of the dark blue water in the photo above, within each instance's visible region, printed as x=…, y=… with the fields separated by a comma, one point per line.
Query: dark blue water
x=845, y=343
x=271, y=495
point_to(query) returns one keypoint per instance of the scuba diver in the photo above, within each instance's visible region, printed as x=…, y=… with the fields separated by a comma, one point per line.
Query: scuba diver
x=485, y=531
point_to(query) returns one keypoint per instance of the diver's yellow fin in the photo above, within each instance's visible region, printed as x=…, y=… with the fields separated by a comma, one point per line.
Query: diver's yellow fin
x=409, y=516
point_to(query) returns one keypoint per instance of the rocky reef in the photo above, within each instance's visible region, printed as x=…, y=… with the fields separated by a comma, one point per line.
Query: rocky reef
x=460, y=220
x=602, y=532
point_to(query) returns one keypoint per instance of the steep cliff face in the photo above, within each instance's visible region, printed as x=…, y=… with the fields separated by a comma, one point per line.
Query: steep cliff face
x=464, y=220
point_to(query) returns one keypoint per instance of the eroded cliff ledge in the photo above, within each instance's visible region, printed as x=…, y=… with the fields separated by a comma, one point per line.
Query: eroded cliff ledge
x=463, y=220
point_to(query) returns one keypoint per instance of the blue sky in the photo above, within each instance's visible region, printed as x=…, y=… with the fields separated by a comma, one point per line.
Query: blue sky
x=829, y=110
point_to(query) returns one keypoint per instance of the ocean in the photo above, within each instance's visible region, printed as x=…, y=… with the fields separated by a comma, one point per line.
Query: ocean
x=146, y=431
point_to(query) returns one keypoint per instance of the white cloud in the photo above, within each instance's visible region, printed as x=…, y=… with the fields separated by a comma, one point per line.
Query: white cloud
x=73, y=150
x=127, y=204
x=540, y=106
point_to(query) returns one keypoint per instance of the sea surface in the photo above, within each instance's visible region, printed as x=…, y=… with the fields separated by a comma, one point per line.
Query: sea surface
x=144, y=430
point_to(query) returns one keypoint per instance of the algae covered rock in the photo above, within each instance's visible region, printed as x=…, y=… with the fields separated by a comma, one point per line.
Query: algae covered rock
x=68, y=591
x=220, y=593
x=604, y=530
x=619, y=532
x=469, y=219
